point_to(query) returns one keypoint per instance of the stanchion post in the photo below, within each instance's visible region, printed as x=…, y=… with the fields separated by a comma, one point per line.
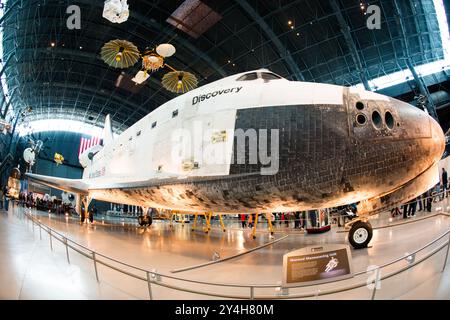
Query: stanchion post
x=67, y=250
x=252, y=293
x=317, y=293
x=375, y=283
x=149, y=284
x=95, y=265
x=40, y=232
x=50, y=237
x=446, y=255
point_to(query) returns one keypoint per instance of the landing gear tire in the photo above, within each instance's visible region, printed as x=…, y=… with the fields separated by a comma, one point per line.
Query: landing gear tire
x=360, y=234
x=145, y=221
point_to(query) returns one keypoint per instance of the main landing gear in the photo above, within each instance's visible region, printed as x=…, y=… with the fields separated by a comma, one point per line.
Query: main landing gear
x=84, y=215
x=208, y=217
x=269, y=221
x=146, y=219
x=360, y=233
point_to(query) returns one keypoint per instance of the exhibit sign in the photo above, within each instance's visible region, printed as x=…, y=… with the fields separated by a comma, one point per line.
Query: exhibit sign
x=317, y=264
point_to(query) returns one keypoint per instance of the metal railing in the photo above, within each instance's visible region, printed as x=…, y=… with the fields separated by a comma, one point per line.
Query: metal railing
x=153, y=278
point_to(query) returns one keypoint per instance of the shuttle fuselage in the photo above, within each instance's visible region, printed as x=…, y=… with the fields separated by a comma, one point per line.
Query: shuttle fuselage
x=249, y=143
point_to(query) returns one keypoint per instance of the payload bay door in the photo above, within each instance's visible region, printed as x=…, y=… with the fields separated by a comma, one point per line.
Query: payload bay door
x=206, y=140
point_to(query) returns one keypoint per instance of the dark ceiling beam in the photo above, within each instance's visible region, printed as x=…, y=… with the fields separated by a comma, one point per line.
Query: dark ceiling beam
x=96, y=60
x=53, y=111
x=5, y=65
x=171, y=34
x=102, y=96
x=25, y=36
x=70, y=53
x=63, y=85
x=157, y=27
x=420, y=84
x=56, y=50
x=9, y=8
x=2, y=91
x=153, y=24
x=345, y=29
x=11, y=96
x=416, y=24
x=80, y=103
x=63, y=107
x=81, y=100
x=388, y=20
x=282, y=51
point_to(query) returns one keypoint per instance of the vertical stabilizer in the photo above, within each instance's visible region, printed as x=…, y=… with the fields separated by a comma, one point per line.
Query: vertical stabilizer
x=107, y=131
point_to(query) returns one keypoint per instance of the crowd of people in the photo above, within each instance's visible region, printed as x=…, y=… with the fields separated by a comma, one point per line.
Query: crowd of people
x=31, y=200
x=4, y=197
x=301, y=219
x=425, y=200
x=318, y=218
x=298, y=219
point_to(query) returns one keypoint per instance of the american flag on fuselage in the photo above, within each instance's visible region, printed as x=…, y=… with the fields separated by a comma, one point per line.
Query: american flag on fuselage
x=86, y=143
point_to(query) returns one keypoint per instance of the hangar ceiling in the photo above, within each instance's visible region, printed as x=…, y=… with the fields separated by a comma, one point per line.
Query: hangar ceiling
x=59, y=73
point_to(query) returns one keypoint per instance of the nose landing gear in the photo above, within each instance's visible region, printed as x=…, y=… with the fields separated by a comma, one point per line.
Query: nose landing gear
x=360, y=233
x=145, y=221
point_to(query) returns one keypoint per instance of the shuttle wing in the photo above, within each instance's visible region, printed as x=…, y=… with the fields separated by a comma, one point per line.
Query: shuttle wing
x=68, y=185
x=82, y=187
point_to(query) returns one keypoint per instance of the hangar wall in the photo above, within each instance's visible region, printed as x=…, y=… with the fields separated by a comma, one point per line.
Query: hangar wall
x=65, y=143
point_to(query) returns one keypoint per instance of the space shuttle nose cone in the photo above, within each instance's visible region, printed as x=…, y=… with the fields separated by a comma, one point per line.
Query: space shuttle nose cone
x=438, y=138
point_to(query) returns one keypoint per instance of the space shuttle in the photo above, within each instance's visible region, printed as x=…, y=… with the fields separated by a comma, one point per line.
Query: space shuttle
x=255, y=142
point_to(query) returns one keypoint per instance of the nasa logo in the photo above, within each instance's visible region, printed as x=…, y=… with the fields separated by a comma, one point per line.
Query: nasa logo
x=214, y=94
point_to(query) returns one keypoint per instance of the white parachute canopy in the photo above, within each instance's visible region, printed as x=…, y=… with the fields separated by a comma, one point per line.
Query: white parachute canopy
x=141, y=77
x=29, y=156
x=116, y=11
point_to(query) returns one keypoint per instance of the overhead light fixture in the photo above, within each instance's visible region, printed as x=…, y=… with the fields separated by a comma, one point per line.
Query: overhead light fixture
x=116, y=11
x=165, y=50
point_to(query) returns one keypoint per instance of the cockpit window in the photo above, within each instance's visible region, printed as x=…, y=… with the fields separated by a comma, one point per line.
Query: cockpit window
x=269, y=76
x=248, y=77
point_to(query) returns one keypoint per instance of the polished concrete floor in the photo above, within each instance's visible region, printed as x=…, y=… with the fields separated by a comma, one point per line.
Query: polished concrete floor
x=30, y=270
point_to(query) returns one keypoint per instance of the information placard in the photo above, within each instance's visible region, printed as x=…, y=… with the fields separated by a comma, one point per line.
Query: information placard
x=317, y=264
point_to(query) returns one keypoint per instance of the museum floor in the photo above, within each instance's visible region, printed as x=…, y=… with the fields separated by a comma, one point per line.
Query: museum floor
x=29, y=269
